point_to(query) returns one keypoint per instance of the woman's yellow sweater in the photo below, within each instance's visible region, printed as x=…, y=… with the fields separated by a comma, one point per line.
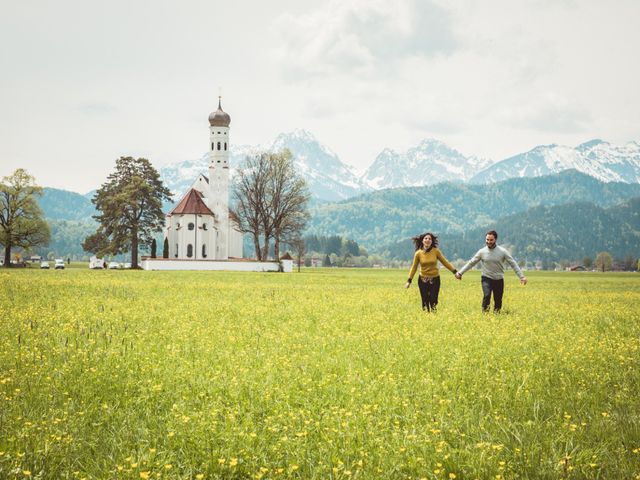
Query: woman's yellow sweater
x=428, y=262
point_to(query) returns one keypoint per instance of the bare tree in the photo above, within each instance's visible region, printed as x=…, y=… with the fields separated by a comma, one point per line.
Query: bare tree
x=298, y=246
x=287, y=199
x=270, y=201
x=248, y=196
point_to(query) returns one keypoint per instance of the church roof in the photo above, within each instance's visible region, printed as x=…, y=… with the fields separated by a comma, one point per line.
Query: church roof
x=219, y=118
x=191, y=203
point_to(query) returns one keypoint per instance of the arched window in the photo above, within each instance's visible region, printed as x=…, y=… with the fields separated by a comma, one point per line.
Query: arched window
x=191, y=226
x=204, y=251
x=204, y=227
x=212, y=146
x=176, y=250
x=225, y=146
x=219, y=146
x=189, y=250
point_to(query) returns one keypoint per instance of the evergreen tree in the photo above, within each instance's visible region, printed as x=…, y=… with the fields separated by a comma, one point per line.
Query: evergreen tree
x=130, y=206
x=165, y=248
x=153, y=248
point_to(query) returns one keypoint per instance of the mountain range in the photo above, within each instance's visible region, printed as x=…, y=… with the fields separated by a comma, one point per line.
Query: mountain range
x=428, y=163
x=380, y=218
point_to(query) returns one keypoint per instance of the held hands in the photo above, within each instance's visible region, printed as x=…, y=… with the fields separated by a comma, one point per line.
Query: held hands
x=458, y=276
x=523, y=280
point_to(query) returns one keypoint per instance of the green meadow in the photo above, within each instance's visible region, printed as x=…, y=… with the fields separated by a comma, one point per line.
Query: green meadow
x=323, y=374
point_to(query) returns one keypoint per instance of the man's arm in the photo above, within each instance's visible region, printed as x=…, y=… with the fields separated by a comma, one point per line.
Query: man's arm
x=514, y=266
x=476, y=258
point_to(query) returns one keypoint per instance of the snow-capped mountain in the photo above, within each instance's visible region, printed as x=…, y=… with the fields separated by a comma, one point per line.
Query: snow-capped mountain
x=327, y=177
x=599, y=159
x=429, y=162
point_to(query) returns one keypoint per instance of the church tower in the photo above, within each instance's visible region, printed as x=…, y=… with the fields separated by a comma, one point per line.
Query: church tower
x=218, y=200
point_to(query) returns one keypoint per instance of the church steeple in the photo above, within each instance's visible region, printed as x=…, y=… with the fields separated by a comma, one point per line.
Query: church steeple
x=219, y=118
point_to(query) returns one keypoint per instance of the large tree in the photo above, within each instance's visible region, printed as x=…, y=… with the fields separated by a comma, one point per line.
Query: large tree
x=130, y=206
x=270, y=201
x=21, y=222
x=248, y=198
x=287, y=198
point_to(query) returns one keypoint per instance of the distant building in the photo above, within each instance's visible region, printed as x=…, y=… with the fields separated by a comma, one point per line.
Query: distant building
x=200, y=227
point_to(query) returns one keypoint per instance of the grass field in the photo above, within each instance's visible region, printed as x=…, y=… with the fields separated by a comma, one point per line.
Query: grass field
x=320, y=374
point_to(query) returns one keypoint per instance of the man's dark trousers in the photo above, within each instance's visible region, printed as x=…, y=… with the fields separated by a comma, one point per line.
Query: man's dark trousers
x=497, y=287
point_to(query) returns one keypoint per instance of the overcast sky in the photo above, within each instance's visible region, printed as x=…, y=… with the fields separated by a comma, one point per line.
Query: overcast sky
x=84, y=82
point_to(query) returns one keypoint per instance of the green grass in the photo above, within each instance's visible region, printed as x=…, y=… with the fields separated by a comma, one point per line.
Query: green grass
x=323, y=374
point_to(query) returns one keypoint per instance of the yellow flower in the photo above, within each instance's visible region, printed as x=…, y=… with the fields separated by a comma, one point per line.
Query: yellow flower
x=26, y=473
x=145, y=475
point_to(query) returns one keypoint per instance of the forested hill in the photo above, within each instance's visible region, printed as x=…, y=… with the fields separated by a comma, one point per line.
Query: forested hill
x=387, y=216
x=63, y=205
x=550, y=233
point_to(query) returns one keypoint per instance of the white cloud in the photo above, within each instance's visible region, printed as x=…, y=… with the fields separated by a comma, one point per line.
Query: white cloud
x=360, y=37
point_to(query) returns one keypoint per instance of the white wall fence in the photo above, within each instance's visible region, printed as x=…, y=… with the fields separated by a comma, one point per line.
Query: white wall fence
x=232, y=265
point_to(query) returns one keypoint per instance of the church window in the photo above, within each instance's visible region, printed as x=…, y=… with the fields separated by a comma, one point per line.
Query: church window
x=191, y=226
x=212, y=146
x=225, y=145
x=176, y=250
x=204, y=227
x=204, y=251
x=189, y=250
x=219, y=146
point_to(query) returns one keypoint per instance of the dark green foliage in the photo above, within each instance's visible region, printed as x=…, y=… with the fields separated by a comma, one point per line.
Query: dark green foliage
x=63, y=205
x=165, y=248
x=153, y=248
x=130, y=206
x=570, y=231
x=387, y=216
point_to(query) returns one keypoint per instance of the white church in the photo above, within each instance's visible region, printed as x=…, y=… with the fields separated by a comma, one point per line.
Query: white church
x=200, y=232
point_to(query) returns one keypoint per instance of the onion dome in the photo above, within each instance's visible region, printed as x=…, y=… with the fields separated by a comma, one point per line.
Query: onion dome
x=219, y=118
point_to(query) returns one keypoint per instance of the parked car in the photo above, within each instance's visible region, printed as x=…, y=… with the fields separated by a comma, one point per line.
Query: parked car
x=44, y=264
x=114, y=266
x=59, y=264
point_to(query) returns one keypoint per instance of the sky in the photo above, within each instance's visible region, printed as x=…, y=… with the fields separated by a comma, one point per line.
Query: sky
x=85, y=82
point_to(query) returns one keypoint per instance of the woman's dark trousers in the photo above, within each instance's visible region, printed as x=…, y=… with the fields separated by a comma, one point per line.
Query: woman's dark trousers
x=497, y=287
x=429, y=291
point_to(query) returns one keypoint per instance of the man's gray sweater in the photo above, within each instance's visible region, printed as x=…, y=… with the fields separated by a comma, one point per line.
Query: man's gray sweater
x=493, y=260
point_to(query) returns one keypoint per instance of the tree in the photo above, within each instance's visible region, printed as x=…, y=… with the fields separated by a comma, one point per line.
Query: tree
x=270, y=201
x=130, y=206
x=21, y=221
x=587, y=262
x=248, y=196
x=604, y=261
x=97, y=243
x=287, y=196
x=629, y=263
x=299, y=247
x=165, y=248
x=153, y=248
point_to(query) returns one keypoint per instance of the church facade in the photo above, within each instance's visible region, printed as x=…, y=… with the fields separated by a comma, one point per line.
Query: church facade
x=200, y=227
